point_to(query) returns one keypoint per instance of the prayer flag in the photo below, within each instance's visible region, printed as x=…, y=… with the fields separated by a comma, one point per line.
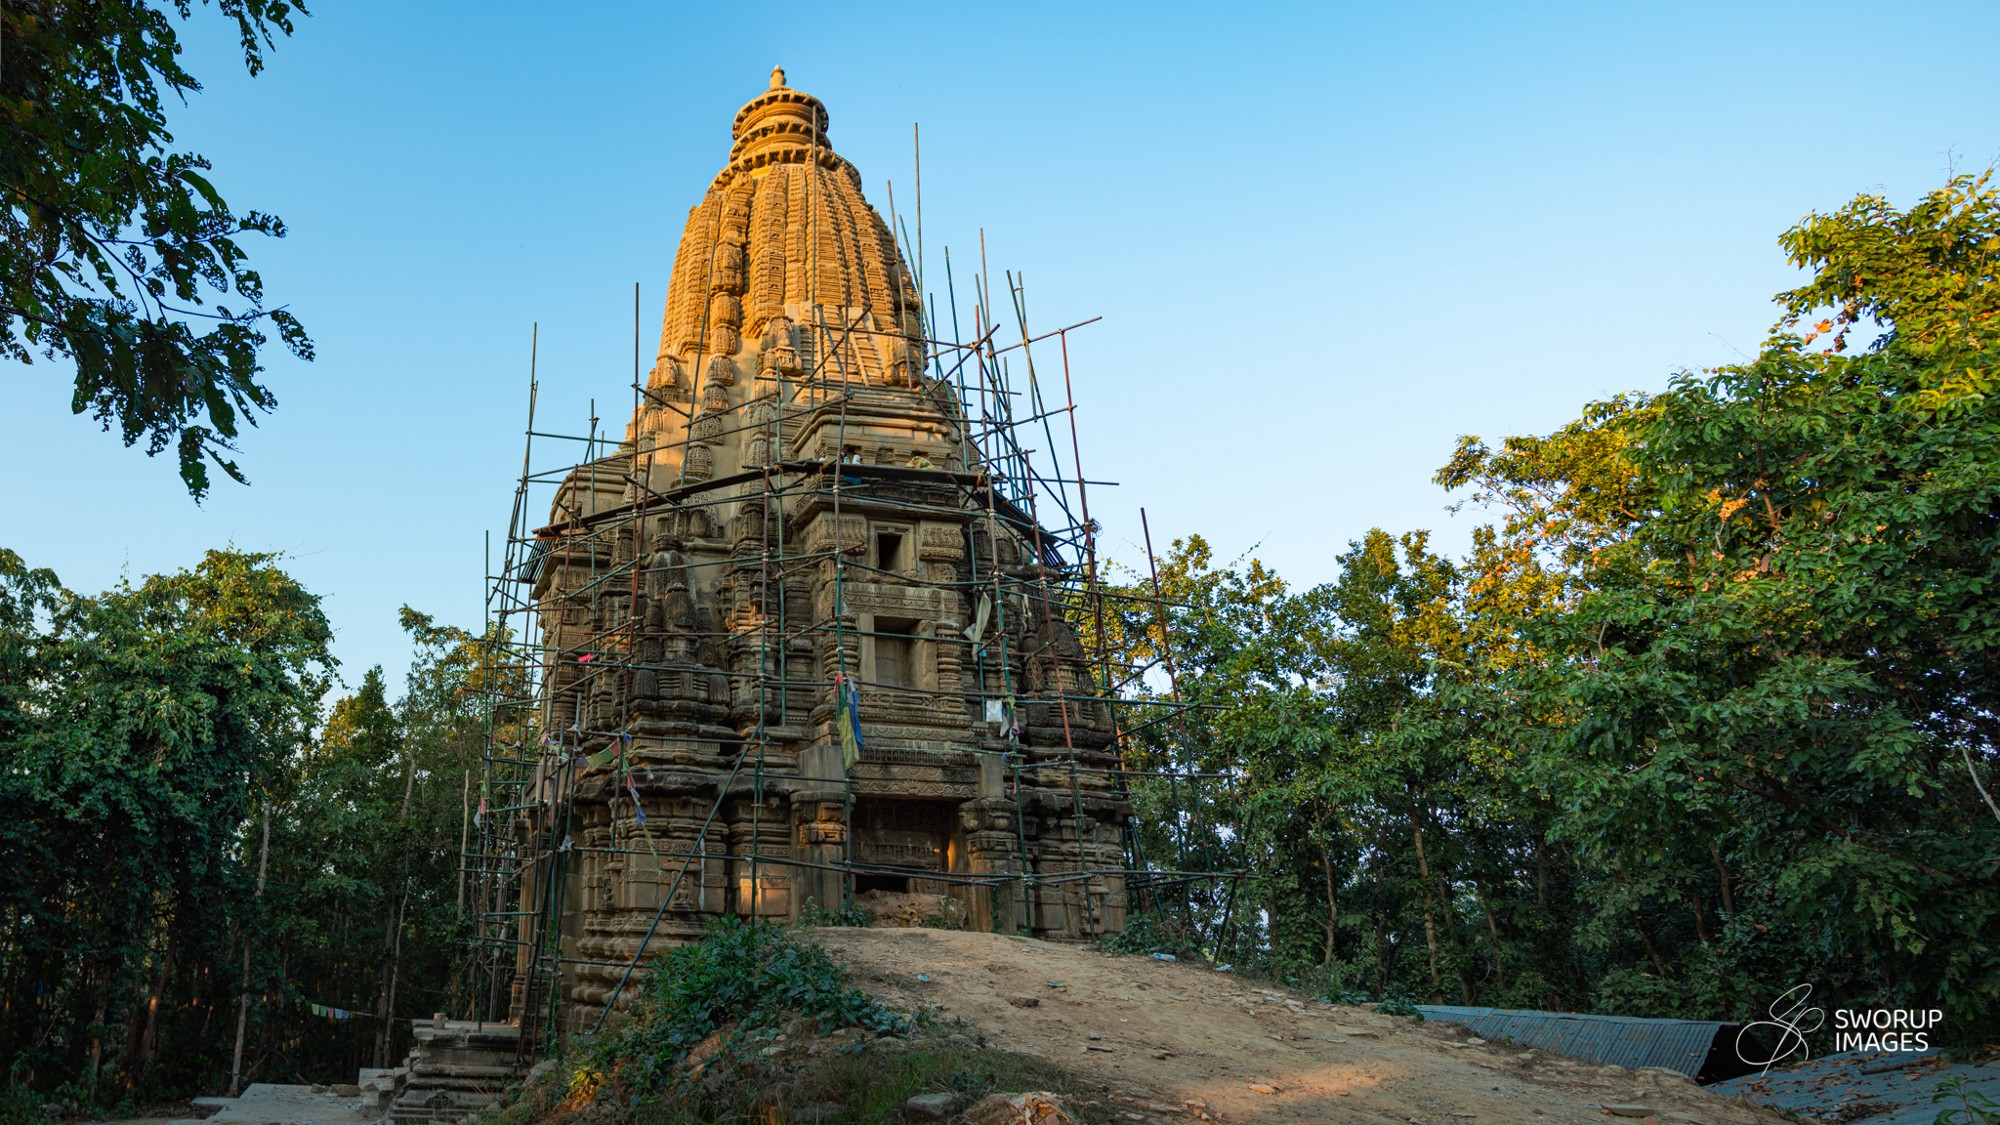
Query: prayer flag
x=847, y=720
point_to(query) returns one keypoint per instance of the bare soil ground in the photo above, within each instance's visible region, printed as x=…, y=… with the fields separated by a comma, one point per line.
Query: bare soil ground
x=1182, y=1041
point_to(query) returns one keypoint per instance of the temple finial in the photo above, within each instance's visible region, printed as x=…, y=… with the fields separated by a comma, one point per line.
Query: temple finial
x=777, y=78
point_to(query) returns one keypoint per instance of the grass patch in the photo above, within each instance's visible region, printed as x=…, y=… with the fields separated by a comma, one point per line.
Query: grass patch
x=869, y=1087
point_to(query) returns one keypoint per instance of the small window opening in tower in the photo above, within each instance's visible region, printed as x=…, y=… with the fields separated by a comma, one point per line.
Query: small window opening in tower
x=888, y=551
x=895, y=652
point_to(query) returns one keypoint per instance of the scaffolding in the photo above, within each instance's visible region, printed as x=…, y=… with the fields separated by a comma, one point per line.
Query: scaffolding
x=574, y=639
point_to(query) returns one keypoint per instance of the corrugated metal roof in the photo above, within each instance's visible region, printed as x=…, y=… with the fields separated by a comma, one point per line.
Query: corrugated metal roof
x=1896, y=1088
x=1679, y=1045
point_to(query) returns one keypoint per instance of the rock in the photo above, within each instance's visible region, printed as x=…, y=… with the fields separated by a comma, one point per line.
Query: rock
x=1359, y=1032
x=1162, y=1053
x=1095, y=1035
x=1025, y=1001
x=54, y=1109
x=318, y=1088
x=1628, y=1110
x=930, y=1105
x=1033, y=1108
x=344, y=1090
x=1263, y=1088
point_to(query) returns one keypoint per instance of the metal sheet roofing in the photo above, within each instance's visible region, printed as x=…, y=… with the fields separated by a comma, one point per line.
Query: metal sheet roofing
x=1896, y=1089
x=1679, y=1045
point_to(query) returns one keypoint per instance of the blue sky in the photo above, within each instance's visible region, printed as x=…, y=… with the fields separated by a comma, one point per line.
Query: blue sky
x=1325, y=240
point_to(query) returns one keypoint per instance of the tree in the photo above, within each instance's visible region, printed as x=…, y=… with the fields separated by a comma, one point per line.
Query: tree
x=368, y=856
x=141, y=729
x=1707, y=712
x=1767, y=677
x=110, y=240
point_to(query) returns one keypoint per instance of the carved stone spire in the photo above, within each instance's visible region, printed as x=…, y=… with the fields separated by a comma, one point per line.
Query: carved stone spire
x=782, y=241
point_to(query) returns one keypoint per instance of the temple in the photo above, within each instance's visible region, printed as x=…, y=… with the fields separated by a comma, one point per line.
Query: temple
x=804, y=645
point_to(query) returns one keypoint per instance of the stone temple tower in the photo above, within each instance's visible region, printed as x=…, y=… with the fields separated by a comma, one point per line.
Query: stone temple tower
x=800, y=647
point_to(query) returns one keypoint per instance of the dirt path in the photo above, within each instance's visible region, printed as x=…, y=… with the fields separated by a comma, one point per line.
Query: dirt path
x=1179, y=1039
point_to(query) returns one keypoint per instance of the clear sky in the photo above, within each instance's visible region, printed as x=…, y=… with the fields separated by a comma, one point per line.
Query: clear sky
x=1325, y=240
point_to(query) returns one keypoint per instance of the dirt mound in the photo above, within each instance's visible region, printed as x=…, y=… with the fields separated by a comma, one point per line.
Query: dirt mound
x=1180, y=1040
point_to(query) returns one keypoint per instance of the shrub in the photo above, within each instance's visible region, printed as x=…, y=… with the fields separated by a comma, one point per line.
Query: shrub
x=743, y=978
x=1146, y=934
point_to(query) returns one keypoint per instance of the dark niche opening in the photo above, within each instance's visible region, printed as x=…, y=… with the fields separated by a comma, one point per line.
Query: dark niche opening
x=889, y=551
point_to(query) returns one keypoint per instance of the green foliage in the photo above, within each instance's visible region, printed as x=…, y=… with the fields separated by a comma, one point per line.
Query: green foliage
x=741, y=978
x=849, y=913
x=1789, y=668
x=149, y=736
x=110, y=240
x=140, y=732
x=1708, y=711
x=1973, y=1108
x=1400, y=1006
x=949, y=915
x=20, y=1105
x=1145, y=934
x=368, y=883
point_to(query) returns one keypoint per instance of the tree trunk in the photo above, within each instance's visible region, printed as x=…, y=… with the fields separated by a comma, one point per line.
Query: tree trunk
x=1381, y=907
x=1541, y=872
x=1332, y=901
x=243, y=1007
x=97, y=1042
x=147, y=1037
x=1430, y=930
x=387, y=1022
x=1493, y=929
x=1652, y=953
x=1722, y=878
x=464, y=837
x=386, y=1000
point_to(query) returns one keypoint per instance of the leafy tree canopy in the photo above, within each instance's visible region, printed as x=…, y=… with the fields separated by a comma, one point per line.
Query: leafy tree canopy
x=117, y=253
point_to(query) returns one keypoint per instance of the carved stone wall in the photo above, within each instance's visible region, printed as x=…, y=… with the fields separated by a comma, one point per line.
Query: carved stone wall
x=792, y=511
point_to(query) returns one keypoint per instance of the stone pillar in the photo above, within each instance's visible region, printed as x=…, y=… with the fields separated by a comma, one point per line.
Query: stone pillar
x=820, y=812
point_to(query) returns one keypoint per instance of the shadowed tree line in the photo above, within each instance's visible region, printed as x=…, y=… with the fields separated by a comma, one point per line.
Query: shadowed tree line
x=190, y=845
x=1709, y=710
